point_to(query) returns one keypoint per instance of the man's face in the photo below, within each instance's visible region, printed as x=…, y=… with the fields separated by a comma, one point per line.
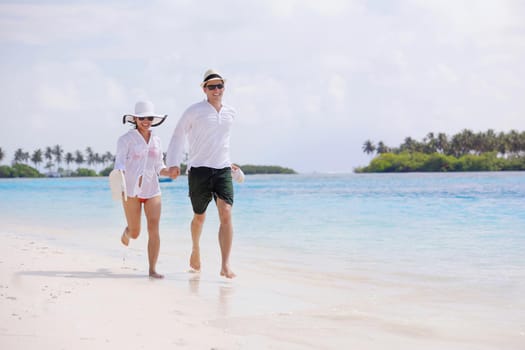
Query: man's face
x=214, y=89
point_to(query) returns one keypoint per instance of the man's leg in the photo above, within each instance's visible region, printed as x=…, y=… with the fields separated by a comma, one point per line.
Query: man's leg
x=225, y=236
x=196, y=230
x=200, y=196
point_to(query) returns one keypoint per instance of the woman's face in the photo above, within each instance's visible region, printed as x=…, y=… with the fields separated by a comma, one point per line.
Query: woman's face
x=143, y=123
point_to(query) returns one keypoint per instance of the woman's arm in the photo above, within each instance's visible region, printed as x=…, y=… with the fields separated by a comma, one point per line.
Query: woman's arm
x=122, y=153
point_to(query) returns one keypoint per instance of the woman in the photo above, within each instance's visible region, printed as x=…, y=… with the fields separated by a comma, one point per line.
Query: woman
x=139, y=157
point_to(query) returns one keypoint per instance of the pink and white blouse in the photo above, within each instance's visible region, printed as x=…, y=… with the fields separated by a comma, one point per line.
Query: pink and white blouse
x=137, y=158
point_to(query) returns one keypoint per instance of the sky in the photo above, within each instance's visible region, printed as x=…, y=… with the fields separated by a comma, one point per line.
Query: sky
x=311, y=80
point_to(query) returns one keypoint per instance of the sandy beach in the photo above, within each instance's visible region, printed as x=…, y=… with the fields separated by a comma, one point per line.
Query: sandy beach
x=62, y=297
x=54, y=298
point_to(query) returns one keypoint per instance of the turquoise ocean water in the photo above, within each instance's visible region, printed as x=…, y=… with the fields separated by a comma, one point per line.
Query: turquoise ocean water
x=430, y=259
x=465, y=225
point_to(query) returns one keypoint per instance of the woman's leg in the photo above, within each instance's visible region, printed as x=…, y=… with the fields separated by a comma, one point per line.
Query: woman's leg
x=152, y=208
x=133, y=212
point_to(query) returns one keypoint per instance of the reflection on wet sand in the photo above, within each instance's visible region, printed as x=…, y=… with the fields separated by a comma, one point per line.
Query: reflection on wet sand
x=226, y=292
x=194, y=282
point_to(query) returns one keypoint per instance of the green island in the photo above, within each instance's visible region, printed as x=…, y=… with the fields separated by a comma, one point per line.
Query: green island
x=55, y=162
x=465, y=151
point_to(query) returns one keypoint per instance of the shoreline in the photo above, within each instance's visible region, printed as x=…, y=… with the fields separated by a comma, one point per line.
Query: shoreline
x=61, y=296
x=308, y=173
x=54, y=297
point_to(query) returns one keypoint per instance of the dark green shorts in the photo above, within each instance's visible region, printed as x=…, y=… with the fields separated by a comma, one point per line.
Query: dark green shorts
x=207, y=183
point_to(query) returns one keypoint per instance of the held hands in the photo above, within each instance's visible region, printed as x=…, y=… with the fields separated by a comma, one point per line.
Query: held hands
x=174, y=172
x=164, y=172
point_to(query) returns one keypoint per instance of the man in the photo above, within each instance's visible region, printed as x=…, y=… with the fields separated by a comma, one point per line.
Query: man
x=206, y=126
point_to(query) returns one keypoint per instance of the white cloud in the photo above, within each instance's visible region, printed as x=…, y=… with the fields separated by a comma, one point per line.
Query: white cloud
x=311, y=80
x=337, y=89
x=44, y=24
x=288, y=8
x=474, y=17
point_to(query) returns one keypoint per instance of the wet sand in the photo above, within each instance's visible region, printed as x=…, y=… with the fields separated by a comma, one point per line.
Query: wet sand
x=64, y=297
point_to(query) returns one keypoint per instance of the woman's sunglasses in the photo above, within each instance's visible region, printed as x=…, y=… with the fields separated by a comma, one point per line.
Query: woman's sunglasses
x=146, y=118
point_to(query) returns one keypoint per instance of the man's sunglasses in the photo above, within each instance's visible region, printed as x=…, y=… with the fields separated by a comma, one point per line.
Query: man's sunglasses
x=146, y=118
x=216, y=86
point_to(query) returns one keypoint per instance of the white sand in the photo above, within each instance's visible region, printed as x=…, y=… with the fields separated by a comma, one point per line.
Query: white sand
x=62, y=297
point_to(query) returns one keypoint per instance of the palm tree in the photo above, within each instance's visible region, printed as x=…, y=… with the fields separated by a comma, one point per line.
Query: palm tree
x=79, y=158
x=48, y=166
x=456, y=146
x=502, y=144
x=409, y=145
x=485, y=142
x=36, y=158
x=382, y=148
x=90, y=156
x=69, y=159
x=522, y=142
x=48, y=155
x=442, y=144
x=108, y=158
x=20, y=156
x=462, y=143
x=58, y=151
x=491, y=140
x=98, y=160
x=369, y=147
x=514, y=142
x=2, y=154
x=469, y=140
x=430, y=143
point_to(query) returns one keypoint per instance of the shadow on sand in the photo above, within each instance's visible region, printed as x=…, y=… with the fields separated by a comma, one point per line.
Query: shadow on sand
x=100, y=273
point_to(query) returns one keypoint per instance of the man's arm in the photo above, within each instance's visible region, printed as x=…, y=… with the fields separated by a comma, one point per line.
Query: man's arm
x=175, y=150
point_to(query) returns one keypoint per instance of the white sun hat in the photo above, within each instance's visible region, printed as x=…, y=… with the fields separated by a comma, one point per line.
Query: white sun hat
x=144, y=109
x=211, y=75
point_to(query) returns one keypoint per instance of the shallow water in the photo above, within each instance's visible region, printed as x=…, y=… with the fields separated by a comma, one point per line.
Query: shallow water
x=412, y=221
x=433, y=254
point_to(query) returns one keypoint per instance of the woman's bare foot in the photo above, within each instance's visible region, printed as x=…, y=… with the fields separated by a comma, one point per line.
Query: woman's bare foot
x=125, y=238
x=227, y=272
x=154, y=274
x=195, y=260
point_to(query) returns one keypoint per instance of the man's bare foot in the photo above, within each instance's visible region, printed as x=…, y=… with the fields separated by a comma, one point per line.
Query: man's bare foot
x=125, y=238
x=195, y=260
x=227, y=272
x=154, y=274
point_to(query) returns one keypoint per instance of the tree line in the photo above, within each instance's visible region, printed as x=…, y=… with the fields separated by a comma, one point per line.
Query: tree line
x=52, y=159
x=464, y=151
